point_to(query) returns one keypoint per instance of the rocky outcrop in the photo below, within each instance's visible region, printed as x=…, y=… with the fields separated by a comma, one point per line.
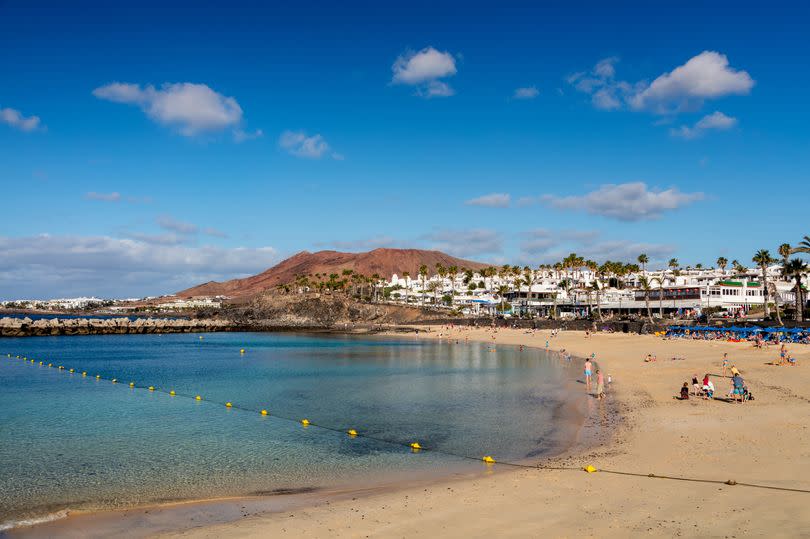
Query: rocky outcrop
x=25, y=327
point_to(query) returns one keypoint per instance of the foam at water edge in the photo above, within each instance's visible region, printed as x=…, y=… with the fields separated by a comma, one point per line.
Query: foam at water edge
x=11, y=524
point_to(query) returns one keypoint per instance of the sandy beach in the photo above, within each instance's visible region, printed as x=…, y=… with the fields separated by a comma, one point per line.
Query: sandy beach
x=761, y=442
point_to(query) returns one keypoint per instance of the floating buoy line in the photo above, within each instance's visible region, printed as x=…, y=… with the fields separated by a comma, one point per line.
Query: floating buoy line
x=415, y=446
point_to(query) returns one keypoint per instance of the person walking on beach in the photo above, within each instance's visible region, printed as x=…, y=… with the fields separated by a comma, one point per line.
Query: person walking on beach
x=600, y=385
x=588, y=372
x=725, y=364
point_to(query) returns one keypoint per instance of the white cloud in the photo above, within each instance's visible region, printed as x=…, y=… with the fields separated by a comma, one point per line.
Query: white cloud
x=528, y=92
x=625, y=202
x=15, y=119
x=299, y=144
x=59, y=266
x=105, y=197
x=492, y=200
x=465, y=243
x=424, y=69
x=716, y=120
x=213, y=232
x=190, y=108
x=705, y=76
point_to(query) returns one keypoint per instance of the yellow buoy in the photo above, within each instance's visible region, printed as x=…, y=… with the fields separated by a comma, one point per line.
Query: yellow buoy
x=242, y=351
x=351, y=432
x=98, y=377
x=172, y=393
x=40, y=363
x=132, y=384
x=198, y=398
x=228, y=405
x=115, y=380
x=84, y=373
x=151, y=388
x=589, y=469
x=415, y=446
x=488, y=460
x=264, y=412
x=201, y=337
x=305, y=422
x=50, y=364
x=61, y=368
x=71, y=371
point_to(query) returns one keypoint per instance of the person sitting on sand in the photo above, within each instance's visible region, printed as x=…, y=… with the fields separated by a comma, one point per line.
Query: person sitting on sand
x=684, y=392
x=707, y=387
x=649, y=359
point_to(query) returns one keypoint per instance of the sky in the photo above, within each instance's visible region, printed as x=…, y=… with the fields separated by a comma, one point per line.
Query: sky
x=149, y=146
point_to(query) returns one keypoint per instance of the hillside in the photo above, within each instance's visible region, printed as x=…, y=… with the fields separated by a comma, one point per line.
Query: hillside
x=384, y=262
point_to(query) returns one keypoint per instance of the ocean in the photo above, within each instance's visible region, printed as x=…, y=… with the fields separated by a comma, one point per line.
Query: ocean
x=69, y=442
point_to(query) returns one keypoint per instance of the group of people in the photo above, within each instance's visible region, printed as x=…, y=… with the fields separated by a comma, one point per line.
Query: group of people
x=705, y=389
x=600, y=378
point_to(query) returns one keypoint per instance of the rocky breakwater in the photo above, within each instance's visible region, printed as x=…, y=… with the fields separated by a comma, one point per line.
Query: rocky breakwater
x=25, y=327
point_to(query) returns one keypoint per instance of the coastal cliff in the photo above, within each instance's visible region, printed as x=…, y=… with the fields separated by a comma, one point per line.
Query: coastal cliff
x=25, y=327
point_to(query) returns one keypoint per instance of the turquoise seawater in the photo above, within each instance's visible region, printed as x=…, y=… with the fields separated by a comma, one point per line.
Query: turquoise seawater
x=73, y=442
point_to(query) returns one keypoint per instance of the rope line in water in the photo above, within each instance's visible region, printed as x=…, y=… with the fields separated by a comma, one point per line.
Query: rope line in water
x=413, y=446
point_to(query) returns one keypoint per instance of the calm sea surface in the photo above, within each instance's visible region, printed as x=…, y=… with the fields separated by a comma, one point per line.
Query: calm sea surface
x=68, y=442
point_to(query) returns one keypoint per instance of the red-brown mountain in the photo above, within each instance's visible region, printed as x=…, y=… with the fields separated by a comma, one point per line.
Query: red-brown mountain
x=384, y=262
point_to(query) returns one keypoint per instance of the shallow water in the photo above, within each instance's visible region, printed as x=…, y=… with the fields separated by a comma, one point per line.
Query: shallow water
x=68, y=442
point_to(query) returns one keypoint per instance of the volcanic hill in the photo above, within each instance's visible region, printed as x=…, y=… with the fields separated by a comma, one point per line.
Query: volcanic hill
x=384, y=262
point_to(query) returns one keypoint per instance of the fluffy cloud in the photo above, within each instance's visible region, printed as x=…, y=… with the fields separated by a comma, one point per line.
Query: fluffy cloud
x=465, y=243
x=15, y=119
x=424, y=69
x=299, y=144
x=716, y=120
x=606, y=92
x=58, y=266
x=625, y=202
x=190, y=108
x=493, y=200
x=528, y=92
x=705, y=76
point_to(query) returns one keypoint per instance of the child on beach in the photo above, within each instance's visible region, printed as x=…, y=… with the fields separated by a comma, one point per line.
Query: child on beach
x=695, y=385
x=725, y=364
x=684, y=392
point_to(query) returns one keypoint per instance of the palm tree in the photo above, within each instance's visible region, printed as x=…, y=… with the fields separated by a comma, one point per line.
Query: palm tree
x=645, y=285
x=722, y=262
x=763, y=259
x=643, y=259
x=784, y=251
x=452, y=272
x=803, y=247
x=796, y=268
x=775, y=293
x=673, y=264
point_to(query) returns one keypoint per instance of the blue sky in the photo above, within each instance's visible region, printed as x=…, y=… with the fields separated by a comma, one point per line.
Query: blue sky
x=148, y=147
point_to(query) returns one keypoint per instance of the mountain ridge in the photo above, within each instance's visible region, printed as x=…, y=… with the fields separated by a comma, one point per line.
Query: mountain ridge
x=382, y=261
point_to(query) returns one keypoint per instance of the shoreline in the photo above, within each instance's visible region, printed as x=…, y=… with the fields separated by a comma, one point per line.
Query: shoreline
x=759, y=442
x=569, y=416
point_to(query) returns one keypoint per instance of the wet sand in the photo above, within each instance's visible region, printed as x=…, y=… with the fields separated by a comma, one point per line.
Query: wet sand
x=763, y=442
